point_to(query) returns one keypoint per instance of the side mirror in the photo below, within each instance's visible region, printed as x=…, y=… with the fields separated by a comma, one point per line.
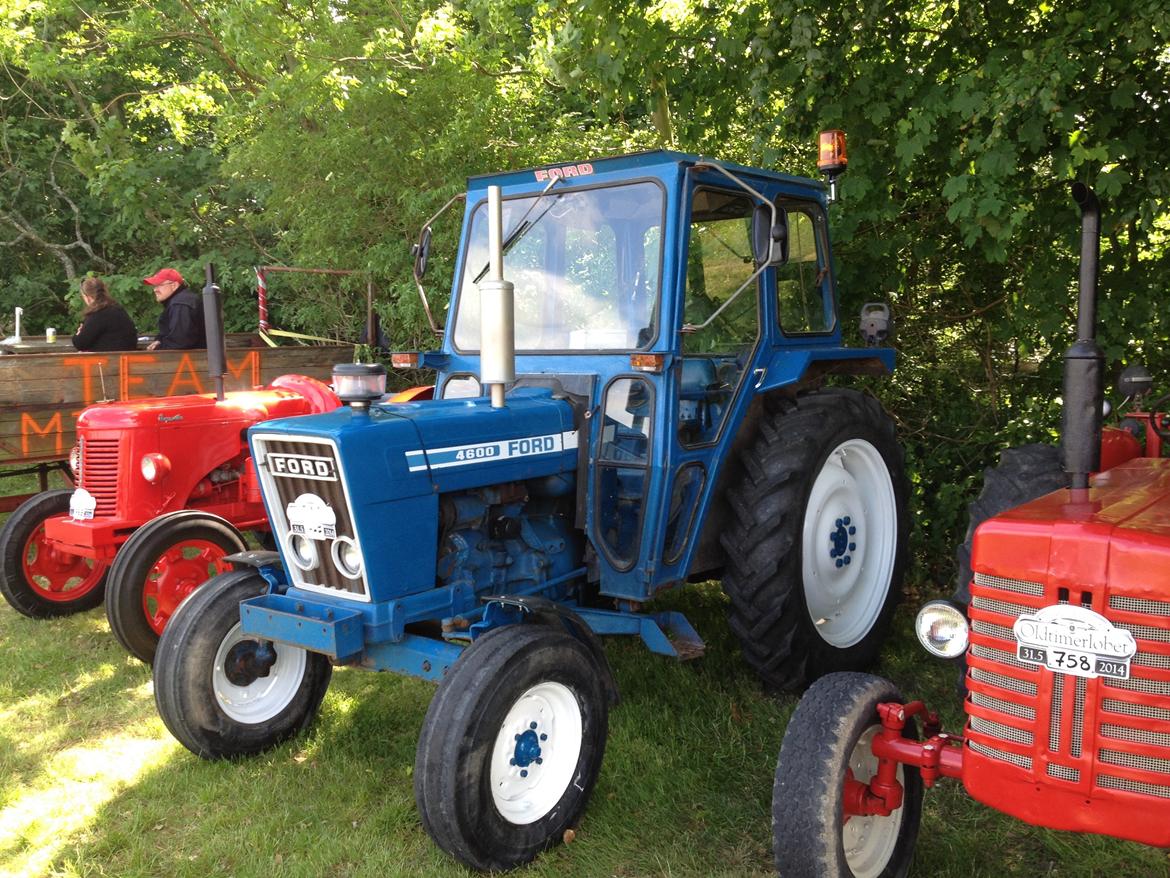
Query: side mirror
x=421, y=252
x=769, y=242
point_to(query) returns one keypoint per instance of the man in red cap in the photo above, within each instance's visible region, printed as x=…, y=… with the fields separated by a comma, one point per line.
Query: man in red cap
x=180, y=326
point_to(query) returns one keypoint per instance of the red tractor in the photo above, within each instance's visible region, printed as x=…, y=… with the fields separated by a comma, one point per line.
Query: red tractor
x=164, y=489
x=1063, y=617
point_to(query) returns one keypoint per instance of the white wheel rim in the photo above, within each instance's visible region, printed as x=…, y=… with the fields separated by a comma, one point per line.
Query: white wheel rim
x=535, y=754
x=849, y=542
x=870, y=842
x=265, y=697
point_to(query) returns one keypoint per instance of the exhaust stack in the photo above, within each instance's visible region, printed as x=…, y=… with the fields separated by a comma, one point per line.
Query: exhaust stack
x=213, y=322
x=497, y=348
x=1084, y=361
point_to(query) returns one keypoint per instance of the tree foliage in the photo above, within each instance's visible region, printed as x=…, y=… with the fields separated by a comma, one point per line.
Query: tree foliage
x=324, y=134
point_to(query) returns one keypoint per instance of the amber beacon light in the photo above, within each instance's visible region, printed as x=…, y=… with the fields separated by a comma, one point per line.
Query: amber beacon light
x=832, y=160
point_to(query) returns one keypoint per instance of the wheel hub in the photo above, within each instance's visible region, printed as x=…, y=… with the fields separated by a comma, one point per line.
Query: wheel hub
x=528, y=748
x=248, y=661
x=842, y=541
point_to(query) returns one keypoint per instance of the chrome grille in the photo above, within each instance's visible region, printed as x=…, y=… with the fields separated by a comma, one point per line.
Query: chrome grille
x=1020, y=586
x=1137, y=684
x=1064, y=772
x=1145, y=632
x=1016, y=759
x=1133, y=760
x=1133, y=786
x=1139, y=605
x=1001, y=632
x=1008, y=707
x=1137, y=736
x=99, y=473
x=998, y=655
x=1078, y=720
x=1152, y=660
x=1145, y=711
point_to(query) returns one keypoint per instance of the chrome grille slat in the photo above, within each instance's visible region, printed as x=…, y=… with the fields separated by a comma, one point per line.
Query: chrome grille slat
x=1139, y=605
x=1020, y=586
x=1055, y=710
x=1111, y=782
x=1022, y=687
x=1151, y=660
x=1063, y=772
x=1003, y=608
x=1137, y=736
x=1145, y=632
x=1144, y=711
x=992, y=630
x=1138, y=684
x=1078, y=720
x=998, y=655
x=1133, y=760
x=999, y=730
x=1009, y=707
x=1002, y=755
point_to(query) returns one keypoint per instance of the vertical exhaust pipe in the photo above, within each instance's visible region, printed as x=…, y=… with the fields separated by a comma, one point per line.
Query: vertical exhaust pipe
x=497, y=348
x=1084, y=361
x=213, y=323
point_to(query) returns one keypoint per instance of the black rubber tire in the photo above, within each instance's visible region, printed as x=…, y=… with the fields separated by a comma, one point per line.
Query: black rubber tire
x=807, y=807
x=452, y=771
x=14, y=585
x=184, y=667
x=763, y=578
x=1023, y=474
x=138, y=555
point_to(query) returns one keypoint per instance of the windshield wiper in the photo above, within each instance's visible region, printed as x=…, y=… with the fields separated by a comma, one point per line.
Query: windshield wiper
x=522, y=227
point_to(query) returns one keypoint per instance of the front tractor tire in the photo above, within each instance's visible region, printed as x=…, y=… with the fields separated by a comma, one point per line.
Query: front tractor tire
x=816, y=548
x=164, y=561
x=511, y=746
x=223, y=694
x=827, y=745
x=36, y=578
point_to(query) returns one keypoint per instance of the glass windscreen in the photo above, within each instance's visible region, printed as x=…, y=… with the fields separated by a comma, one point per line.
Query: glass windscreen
x=584, y=265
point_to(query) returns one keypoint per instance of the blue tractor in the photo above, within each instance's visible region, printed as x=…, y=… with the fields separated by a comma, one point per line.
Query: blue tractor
x=641, y=403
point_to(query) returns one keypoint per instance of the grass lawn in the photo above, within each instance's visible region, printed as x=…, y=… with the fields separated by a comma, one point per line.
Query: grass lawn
x=91, y=783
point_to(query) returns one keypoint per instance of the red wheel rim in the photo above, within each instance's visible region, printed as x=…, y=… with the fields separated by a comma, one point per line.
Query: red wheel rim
x=179, y=571
x=58, y=576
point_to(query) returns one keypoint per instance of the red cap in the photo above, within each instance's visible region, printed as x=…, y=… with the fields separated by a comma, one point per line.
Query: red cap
x=167, y=274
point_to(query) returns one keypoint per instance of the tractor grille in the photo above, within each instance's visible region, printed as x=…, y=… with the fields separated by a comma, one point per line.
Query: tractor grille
x=1025, y=712
x=99, y=473
x=286, y=495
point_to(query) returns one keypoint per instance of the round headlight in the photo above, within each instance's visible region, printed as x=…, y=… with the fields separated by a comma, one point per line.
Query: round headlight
x=346, y=557
x=303, y=552
x=942, y=629
x=75, y=461
x=154, y=466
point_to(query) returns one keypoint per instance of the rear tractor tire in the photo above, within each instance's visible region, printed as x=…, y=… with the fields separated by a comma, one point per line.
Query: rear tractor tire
x=827, y=742
x=36, y=578
x=164, y=561
x=224, y=694
x=816, y=548
x=512, y=746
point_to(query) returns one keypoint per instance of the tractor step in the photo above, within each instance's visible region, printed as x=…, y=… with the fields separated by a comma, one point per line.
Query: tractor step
x=337, y=633
x=667, y=633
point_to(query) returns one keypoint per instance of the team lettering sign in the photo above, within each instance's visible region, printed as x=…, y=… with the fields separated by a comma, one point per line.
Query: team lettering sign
x=302, y=466
x=583, y=169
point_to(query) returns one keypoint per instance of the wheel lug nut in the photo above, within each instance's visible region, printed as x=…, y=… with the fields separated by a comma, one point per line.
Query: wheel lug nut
x=523, y=773
x=532, y=725
x=544, y=737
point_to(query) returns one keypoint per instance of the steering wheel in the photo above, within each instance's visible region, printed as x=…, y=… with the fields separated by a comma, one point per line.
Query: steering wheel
x=1160, y=422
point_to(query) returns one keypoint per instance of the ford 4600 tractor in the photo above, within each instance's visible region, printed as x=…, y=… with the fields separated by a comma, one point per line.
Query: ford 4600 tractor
x=638, y=405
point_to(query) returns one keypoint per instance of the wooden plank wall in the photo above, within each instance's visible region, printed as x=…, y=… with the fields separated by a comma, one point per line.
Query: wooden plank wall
x=41, y=395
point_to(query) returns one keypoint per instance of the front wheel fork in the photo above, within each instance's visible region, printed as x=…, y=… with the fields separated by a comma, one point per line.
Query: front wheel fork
x=937, y=755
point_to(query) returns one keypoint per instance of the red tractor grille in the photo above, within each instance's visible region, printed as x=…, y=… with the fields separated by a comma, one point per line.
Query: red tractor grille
x=99, y=473
x=1107, y=733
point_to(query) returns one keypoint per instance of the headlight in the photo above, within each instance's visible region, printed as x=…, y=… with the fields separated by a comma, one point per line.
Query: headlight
x=346, y=557
x=303, y=552
x=942, y=629
x=155, y=466
x=75, y=461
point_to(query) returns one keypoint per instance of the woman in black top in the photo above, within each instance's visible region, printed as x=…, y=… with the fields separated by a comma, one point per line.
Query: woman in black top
x=105, y=325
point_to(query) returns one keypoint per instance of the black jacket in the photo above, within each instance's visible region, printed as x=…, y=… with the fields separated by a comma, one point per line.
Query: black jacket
x=107, y=329
x=180, y=326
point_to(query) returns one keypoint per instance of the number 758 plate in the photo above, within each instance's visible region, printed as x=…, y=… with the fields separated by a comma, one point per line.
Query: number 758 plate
x=1070, y=639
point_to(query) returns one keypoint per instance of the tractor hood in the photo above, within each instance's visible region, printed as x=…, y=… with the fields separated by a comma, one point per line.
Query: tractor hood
x=374, y=479
x=248, y=407
x=1117, y=537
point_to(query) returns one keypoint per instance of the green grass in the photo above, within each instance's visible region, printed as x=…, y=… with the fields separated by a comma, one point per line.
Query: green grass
x=91, y=783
